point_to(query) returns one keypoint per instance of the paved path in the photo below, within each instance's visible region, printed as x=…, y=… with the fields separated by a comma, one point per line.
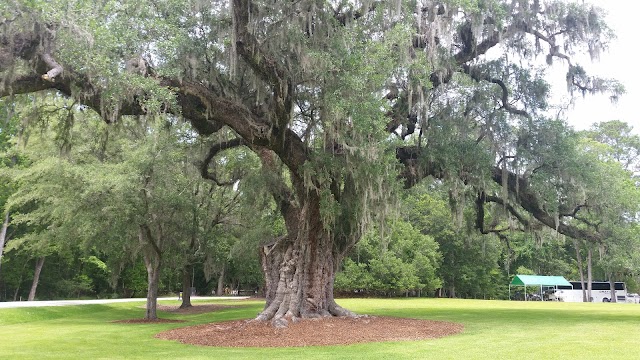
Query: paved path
x=17, y=304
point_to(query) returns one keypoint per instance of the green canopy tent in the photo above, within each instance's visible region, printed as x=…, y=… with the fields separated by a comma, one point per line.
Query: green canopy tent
x=538, y=280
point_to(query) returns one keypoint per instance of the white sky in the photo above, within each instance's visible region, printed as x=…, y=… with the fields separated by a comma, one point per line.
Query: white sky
x=619, y=62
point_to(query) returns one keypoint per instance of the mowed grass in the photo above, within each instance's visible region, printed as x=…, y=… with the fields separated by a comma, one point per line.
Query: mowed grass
x=493, y=330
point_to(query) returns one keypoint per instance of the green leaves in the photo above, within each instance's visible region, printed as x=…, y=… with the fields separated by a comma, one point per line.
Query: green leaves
x=392, y=261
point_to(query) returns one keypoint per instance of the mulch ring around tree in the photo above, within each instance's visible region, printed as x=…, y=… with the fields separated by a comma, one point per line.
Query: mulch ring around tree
x=311, y=332
x=147, y=321
x=195, y=309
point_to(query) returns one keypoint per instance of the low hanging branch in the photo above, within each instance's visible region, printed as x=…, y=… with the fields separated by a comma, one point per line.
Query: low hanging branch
x=205, y=109
x=512, y=210
x=520, y=190
x=190, y=105
x=483, y=198
x=417, y=166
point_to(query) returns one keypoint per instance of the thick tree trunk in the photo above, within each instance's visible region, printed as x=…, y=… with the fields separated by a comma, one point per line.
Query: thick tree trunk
x=581, y=270
x=3, y=234
x=300, y=270
x=186, y=286
x=36, y=278
x=220, y=288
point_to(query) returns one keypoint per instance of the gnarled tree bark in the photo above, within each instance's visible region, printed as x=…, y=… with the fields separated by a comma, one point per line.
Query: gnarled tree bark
x=300, y=268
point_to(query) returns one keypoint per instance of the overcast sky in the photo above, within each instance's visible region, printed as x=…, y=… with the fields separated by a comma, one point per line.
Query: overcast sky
x=618, y=62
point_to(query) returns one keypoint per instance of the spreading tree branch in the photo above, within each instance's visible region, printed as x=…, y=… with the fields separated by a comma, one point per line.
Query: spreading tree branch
x=213, y=151
x=520, y=190
x=512, y=210
x=417, y=166
x=477, y=75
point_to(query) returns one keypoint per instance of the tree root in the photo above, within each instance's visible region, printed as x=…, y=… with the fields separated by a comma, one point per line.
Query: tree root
x=280, y=314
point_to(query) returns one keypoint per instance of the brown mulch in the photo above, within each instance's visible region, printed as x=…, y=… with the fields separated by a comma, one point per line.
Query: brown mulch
x=195, y=309
x=310, y=332
x=147, y=321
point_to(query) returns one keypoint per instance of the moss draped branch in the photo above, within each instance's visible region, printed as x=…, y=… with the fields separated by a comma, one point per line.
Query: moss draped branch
x=265, y=65
x=417, y=166
x=520, y=190
x=478, y=76
x=207, y=111
x=485, y=198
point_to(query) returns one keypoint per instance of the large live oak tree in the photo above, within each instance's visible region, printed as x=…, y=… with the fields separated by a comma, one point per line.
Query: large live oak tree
x=338, y=99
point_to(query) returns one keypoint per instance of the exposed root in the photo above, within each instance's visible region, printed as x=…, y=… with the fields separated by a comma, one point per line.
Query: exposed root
x=337, y=310
x=280, y=315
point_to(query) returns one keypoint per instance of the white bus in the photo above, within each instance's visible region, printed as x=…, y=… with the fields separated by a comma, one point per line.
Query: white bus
x=600, y=292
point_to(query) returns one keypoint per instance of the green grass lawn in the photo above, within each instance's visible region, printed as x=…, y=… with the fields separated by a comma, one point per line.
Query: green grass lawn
x=493, y=330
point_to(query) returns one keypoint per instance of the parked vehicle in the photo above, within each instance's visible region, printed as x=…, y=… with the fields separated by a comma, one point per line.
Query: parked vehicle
x=534, y=297
x=600, y=292
x=633, y=298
